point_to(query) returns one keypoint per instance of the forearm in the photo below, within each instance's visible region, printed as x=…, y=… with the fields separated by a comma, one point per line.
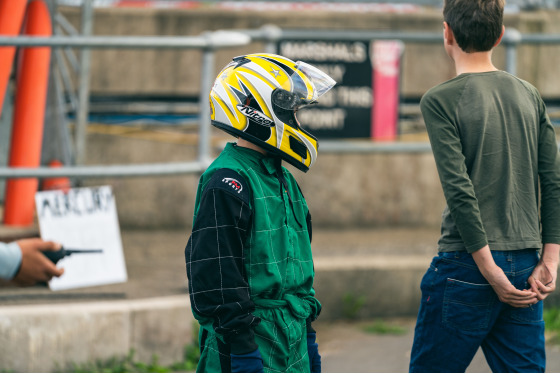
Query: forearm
x=551, y=254
x=485, y=262
x=543, y=278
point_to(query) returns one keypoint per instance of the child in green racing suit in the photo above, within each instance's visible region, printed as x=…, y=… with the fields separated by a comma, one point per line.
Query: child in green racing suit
x=249, y=260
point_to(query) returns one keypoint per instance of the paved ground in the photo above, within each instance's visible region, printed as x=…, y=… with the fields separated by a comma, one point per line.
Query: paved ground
x=346, y=348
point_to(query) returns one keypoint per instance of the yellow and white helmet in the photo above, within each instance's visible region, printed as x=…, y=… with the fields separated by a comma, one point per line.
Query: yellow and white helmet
x=256, y=96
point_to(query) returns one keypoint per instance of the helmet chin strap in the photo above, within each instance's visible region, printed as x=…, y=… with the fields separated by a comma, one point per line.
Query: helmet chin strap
x=284, y=184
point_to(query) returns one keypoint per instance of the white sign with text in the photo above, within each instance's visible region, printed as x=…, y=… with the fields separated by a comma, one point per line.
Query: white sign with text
x=85, y=219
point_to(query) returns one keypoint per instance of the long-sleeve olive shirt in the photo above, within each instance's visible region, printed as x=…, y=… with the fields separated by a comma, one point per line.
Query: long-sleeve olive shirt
x=493, y=142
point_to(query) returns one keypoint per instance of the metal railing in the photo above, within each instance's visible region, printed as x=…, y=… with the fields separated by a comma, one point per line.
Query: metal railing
x=511, y=40
x=209, y=42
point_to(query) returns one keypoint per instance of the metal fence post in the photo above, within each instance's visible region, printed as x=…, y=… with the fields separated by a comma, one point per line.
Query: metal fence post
x=207, y=76
x=214, y=40
x=56, y=136
x=83, y=91
x=511, y=39
x=272, y=34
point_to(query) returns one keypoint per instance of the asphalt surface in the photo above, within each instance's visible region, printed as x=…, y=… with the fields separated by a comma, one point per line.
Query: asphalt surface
x=346, y=347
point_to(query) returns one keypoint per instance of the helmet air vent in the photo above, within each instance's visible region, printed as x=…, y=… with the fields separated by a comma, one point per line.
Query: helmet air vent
x=241, y=60
x=298, y=147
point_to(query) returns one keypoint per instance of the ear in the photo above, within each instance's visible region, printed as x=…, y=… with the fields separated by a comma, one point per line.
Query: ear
x=448, y=36
x=501, y=36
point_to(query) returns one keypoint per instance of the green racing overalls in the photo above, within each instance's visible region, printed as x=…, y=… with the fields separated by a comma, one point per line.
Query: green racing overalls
x=249, y=263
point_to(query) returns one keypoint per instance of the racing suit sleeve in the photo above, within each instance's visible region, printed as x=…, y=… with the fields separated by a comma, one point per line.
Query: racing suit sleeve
x=218, y=285
x=311, y=299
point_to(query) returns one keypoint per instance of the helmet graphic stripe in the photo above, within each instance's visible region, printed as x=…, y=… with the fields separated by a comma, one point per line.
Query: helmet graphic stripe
x=297, y=81
x=260, y=86
x=227, y=116
x=263, y=73
x=225, y=98
x=241, y=95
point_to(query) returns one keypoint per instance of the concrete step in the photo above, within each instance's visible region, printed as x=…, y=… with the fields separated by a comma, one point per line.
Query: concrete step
x=45, y=338
x=359, y=287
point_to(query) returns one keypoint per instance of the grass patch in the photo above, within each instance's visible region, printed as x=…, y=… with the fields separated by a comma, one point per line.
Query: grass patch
x=352, y=305
x=128, y=364
x=551, y=318
x=381, y=327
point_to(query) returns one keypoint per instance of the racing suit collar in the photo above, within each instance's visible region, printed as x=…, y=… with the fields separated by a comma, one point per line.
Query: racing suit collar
x=266, y=162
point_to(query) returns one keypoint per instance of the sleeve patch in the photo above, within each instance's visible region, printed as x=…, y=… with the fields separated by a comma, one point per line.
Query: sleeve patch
x=233, y=183
x=230, y=181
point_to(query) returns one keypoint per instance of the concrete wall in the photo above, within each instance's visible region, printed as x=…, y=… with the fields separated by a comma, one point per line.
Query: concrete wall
x=342, y=190
x=177, y=72
x=45, y=338
x=146, y=202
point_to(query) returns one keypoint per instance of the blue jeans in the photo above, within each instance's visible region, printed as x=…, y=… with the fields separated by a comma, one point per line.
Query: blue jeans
x=460, y=312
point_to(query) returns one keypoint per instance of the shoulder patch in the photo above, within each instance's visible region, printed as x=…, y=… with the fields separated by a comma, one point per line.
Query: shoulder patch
x=234, y=183
x=230, y=181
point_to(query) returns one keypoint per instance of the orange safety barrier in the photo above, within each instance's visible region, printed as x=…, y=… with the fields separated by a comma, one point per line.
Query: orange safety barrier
x=29, y=115
x=56, y=183
x=11, y=19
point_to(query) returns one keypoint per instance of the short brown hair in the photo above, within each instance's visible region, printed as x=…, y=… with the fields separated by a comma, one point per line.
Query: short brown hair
x=476, y=24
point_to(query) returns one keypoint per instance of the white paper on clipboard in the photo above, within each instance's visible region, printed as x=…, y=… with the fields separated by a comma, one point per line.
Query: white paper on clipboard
x=83, y=218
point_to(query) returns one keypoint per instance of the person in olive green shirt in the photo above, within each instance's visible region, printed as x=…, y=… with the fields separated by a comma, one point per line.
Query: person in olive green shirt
x=493, y=144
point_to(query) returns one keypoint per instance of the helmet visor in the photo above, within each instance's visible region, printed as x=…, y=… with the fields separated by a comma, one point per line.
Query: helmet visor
x=306, y=91
x=321, y=82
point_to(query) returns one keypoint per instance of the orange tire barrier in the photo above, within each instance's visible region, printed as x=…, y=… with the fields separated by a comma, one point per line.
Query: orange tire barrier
x=29, y=115
x=56, y=183
x=11, y=19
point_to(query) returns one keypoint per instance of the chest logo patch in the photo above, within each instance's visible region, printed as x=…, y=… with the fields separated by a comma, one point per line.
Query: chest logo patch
x=234, y=183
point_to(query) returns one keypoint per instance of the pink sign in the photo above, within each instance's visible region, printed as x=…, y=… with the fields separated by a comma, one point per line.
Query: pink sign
x=386, y=72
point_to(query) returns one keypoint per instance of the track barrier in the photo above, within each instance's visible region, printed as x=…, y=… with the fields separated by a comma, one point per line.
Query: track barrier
x=29, y=114
x=11, y=19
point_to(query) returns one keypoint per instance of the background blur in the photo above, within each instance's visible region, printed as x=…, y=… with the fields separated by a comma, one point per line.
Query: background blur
x=376, y=202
